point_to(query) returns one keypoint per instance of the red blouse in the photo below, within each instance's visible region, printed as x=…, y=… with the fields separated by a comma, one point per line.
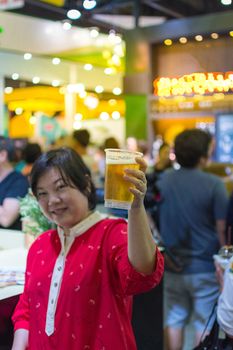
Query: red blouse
x=93, y=309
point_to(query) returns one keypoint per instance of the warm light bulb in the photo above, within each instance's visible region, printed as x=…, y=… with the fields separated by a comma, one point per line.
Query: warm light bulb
x=198, y=37
x=214, y=35
x=183, y=40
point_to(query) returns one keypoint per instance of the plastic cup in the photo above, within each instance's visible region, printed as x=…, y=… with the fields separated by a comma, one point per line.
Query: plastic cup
x=224, y=255
x=116, y=189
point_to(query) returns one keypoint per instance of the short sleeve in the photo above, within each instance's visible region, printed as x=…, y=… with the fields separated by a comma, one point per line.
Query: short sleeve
x=131, y=281
x=19, y=189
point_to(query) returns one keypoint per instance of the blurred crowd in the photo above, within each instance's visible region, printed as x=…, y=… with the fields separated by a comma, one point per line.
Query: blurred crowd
x=189, y=210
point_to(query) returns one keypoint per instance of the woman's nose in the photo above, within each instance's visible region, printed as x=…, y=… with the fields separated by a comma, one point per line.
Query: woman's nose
x=53, y=198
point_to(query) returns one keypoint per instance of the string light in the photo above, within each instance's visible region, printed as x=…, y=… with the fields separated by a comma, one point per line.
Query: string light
x=168, y=42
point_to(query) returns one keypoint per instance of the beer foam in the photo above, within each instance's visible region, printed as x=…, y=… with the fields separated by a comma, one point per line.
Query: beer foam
x=120, y=161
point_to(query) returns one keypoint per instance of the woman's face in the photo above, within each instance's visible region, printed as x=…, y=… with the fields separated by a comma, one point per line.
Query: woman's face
x=60, y=203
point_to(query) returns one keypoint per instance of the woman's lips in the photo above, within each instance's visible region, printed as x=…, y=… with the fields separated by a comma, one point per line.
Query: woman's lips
x=58, y=211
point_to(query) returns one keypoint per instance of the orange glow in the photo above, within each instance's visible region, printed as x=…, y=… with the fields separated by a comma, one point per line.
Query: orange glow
x=196, y=83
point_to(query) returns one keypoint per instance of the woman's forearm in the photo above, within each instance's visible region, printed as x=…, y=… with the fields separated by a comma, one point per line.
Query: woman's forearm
x=20, y=340
x=141, y=246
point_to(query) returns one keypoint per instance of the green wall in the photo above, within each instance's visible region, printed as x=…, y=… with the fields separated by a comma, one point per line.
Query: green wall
x=136, y=116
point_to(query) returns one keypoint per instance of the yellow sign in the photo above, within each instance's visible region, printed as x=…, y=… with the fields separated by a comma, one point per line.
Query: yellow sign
x=196, y=83
x=55, y=2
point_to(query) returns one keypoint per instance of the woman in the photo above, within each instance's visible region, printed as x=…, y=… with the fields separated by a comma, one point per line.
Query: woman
x=81, y=277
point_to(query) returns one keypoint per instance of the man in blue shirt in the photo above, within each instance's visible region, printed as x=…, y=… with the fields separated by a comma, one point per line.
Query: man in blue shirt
x=192, y=222
x=13, y=185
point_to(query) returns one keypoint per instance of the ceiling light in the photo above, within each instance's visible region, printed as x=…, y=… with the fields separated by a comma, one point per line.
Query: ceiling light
x=15, y=76
x=116, y=91
x=75, y=88
x=168, y=42
x=56, y=60
x=94, y=32
x=77, y=125
x=88, y=66
x=78, y=116
x=108, y=71
x=27, y=56
x=66, y=25
x=226, y=2
x=183, y=40
x=55, y=83
x=91, y=102
x=99, y=89
x=116, y=115
x=8, y=90
x=35, y=80
x=73, y=14
x=18, y=110
x=89, y=4
x=82, y=94
x=116, y=60
x=198, y=37
x=32, y=120
x=104, y=116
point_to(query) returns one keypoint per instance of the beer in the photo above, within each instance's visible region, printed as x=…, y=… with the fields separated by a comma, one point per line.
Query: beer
x=116, y=191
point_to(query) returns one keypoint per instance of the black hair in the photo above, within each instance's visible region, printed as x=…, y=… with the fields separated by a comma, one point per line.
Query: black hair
x=110, y=142
x=190, y=146
x=82, y=136
x=7, y=145
x=31, y=152
x=73, y=170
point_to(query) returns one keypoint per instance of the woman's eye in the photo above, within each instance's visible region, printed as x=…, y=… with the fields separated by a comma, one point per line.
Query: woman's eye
x=61, y=187
x=41, y=195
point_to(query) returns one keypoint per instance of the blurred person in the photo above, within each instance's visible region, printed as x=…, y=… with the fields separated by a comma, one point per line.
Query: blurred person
x=225, y=302
x=229, y=221
x=81, y=139
x=13, y=185
x=80, y=297
x=152, y=198
x=31, y=152
x=109, y=142
x=192, y=223
x=132, y=144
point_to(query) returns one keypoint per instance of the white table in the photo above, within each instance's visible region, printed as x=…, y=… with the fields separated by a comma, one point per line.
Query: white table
x=13, y=256
x=10, y=239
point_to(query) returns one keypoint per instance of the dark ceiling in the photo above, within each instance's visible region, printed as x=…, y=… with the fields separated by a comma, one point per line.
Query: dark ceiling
x=170, y=9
